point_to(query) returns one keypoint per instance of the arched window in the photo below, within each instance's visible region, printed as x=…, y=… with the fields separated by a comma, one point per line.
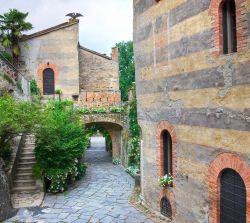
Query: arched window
x=232, y=198
x=167, y=152
x=166, y=208
x=48, y=82
x=229, y=27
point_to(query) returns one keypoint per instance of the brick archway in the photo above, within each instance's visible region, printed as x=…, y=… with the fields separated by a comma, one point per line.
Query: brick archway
x=43, y=67
x=169, y=193
x=164, y=125
x=216, y=18
x=115, y=132
x=221, y=162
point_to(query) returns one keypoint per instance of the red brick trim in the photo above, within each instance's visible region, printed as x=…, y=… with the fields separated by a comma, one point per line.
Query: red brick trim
x=223, y=161
x=41, y=68
x=163, y=125
x=168, y=192
x=241, y=23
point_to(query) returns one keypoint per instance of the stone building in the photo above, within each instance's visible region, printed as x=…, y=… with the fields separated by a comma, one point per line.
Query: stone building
x=193, y=88
x=54, y=58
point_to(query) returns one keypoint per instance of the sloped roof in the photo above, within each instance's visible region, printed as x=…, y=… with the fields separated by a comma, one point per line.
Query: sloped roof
x=94, y=52
x=51, y=29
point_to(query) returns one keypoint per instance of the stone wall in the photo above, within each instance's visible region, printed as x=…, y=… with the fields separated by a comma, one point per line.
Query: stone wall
x=55, y=48
x=183, y=79
x=6, y=210
x=97, y=71
x=9, y=84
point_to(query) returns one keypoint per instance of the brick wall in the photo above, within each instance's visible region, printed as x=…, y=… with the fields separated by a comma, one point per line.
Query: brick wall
x=183, y=79
x=100, y=98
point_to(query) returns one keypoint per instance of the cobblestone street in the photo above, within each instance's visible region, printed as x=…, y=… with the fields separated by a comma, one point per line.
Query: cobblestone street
x=102, y=196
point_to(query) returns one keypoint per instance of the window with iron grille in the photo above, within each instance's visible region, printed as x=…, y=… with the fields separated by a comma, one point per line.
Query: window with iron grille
x=232, y=198
x=166, y=208
x=167, y=152
x=229, y=27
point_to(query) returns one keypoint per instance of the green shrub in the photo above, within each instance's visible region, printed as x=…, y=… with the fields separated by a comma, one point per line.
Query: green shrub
x=7, y=56
x=132, y=170
x=5, y=154
x=60, y=143
x=99, y=110
x=117, y=109
x=34, y=90
x=15, y=117
x=37, y=172
x=117, y=162
x=81, y=170
x=84, y=110
x=134, y=151
x=134, y=129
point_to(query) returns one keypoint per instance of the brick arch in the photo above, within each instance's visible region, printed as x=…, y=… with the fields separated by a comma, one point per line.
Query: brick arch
x=169, y=193
x=43, y=67
x=216, y=18
x=162, y=126
x=221, y=162
x=115, y=131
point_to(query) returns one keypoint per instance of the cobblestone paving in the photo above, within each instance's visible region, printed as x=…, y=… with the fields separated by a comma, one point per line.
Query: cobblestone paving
x=102, y=196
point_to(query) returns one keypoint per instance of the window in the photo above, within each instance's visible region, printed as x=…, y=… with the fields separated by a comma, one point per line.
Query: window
x=167, y=152
x=232, y=197
x=166, y=208
x=229, y=27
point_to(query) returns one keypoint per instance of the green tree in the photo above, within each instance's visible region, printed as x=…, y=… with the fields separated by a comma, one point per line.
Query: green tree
x=60, y=144
x=12, y=26
x=126, y=67
x=15, y=117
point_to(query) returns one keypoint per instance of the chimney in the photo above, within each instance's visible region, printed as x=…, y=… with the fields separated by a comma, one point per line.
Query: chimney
x=115, y=54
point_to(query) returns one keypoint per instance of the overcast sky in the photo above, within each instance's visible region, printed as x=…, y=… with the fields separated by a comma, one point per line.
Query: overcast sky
x=105, y=22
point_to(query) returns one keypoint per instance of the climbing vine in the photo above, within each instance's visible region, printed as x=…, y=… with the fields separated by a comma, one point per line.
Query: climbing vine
x=134, y=136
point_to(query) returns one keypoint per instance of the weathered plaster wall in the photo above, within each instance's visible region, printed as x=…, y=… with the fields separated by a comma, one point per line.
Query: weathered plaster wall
x=97, y=72
x=59, y=48
x=204, y=95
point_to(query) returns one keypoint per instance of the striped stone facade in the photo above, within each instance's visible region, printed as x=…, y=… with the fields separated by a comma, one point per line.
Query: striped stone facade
x=202, y=96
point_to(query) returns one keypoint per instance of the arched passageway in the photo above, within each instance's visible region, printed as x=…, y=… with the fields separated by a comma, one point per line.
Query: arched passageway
x=112, y=133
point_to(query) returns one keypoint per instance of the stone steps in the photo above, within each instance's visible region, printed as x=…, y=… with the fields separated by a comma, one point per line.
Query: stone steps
x=17, y=189
x=25, y=159
x=24, y=176
x=26, y=164
x=24, y=181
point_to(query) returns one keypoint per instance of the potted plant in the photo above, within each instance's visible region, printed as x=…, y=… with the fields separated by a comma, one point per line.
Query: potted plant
x=59, y=93
x=166, y=180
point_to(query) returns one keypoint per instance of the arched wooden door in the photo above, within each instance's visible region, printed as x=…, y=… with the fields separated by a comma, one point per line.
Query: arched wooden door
x=48, y=82
x=232, y=198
